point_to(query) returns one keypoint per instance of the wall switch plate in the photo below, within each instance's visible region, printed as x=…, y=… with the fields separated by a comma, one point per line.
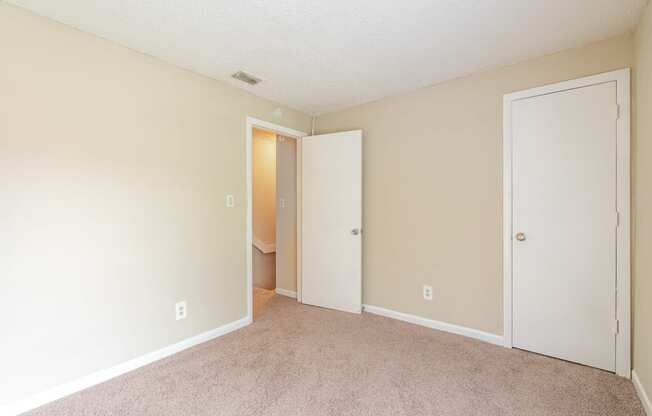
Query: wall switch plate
x=181, y=310
x=427, y=292
x=282, y=202
x=230, y=201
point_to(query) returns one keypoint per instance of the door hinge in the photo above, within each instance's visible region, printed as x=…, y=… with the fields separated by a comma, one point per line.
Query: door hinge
x=616, y=326
x=617, y=111
x=617, y=219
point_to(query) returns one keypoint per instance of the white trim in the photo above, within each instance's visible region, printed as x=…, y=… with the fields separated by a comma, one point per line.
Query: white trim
x=266, y=248
x=250, y=124
x=441, y=326
x=101, y=376
x=275, y=128
x=507, y=223
x=622, y=79
x=299, y=217
x=285, y=292
x=642, y=394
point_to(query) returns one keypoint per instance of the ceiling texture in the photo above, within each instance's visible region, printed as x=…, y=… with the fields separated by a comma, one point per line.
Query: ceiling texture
x=324, y=55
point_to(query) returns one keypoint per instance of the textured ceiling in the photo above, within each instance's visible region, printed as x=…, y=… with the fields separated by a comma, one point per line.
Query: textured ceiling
x=324, y=55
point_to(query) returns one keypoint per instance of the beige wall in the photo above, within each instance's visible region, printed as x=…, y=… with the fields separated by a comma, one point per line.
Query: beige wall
x=113, y=173
x=286, y=227
x=264, y=269
x=264, y=186
x=643, y=204
x=432, y=185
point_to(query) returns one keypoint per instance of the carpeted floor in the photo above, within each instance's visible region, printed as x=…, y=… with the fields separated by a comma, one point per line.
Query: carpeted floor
x=302, y=360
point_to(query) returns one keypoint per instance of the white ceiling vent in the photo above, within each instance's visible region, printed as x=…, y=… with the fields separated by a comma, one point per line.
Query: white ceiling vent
x=244, y=77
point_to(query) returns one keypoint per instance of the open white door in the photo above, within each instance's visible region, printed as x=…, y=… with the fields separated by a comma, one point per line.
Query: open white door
x=331, y=220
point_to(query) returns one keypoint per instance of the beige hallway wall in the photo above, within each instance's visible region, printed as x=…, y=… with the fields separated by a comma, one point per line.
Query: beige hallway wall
x=643, y=204
x=264, y=269
x=264, y=186
x=114, y=169
x=264, y=208
x=286, y=227
x=432, y=185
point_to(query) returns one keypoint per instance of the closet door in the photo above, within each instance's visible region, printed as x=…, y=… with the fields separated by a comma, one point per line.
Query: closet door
x=565, y=224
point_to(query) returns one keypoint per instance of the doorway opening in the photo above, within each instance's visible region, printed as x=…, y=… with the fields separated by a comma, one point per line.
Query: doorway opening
x=264, y=209
x=272, y=213
x=274, y=216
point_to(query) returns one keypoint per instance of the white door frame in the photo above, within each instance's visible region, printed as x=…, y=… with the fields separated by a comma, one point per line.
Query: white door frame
x=252, y=123
x=622, y=290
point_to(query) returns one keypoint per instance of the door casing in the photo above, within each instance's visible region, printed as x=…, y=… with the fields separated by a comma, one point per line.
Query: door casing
x=623, y=260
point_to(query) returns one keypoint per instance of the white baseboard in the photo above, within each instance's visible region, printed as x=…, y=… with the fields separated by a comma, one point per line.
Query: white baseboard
x=264, y=247
x=101, y=376
x=642, y=394
x=287, y=293
x=429, y=323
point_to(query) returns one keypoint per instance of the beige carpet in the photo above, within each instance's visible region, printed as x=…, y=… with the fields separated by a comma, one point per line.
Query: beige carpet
x=301, y=360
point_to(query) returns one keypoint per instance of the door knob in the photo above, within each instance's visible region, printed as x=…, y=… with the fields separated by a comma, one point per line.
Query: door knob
x=520, y=236
x=356, y=231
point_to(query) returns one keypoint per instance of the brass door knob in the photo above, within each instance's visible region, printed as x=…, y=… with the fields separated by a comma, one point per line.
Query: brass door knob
x=520, y=236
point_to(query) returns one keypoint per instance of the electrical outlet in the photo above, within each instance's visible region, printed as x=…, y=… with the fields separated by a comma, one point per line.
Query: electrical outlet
x=427, y=292
x=181, y=310
x=282, y=202
x=230, y=201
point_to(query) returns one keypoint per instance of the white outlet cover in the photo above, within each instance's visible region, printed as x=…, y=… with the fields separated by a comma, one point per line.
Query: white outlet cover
x=230, y=201
x=427, y=292
x=181, y=310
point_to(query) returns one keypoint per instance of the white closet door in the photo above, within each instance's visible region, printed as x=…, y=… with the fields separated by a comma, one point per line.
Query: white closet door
x=564, y=222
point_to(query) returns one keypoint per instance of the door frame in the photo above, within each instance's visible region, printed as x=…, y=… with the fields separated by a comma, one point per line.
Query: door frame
x=250, y=124
x=623, y=260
